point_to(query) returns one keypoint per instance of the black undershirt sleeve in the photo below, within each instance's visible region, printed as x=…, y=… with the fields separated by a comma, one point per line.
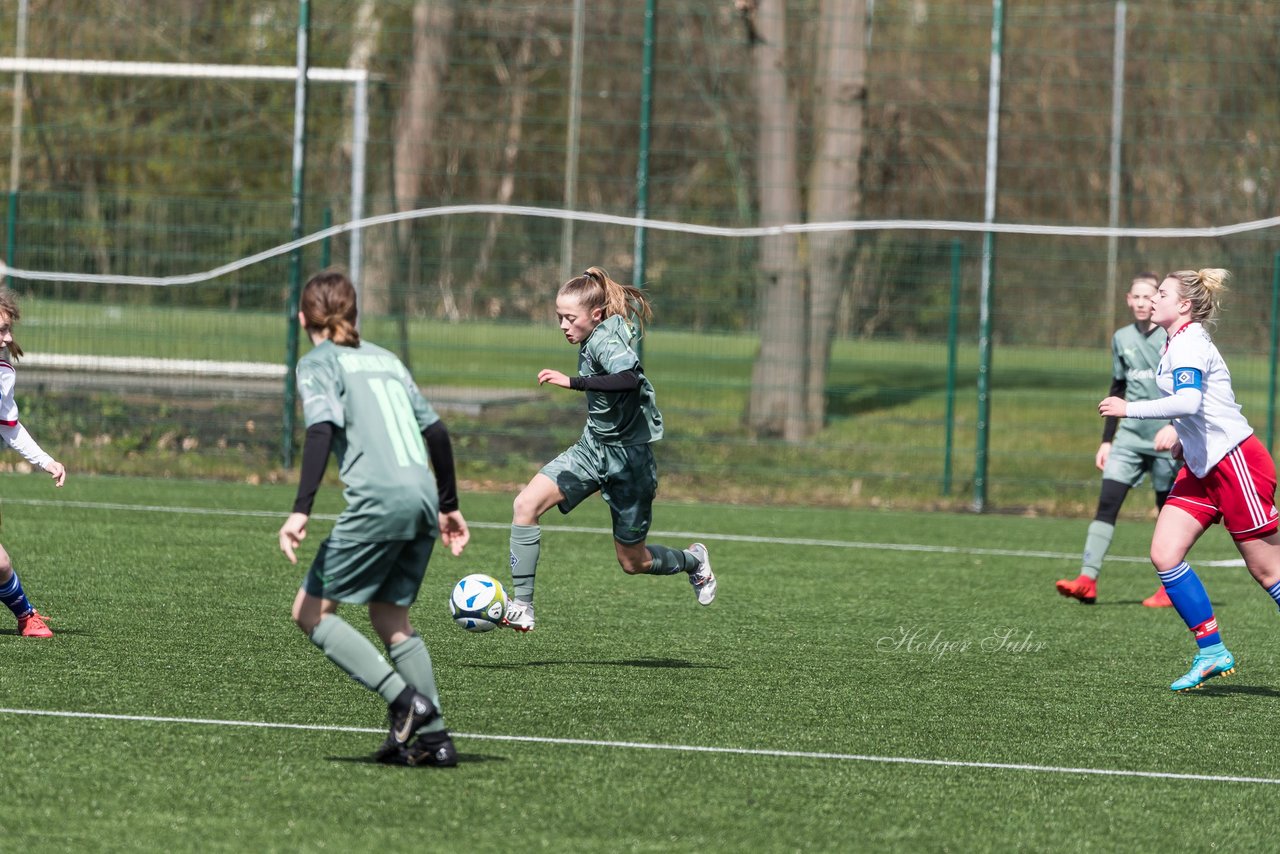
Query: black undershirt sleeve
x=1111, y=423
x=621, y=381
x=440, y=450
x=315, y=456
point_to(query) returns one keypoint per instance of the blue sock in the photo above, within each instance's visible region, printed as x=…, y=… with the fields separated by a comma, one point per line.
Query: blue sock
x=1274, y=590
x=1192, y=603
x=15, y=598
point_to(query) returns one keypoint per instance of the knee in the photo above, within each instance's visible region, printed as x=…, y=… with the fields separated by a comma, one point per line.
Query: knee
x=635, y=562
x=525, y=509
x=305, y=622
x=1164, y=558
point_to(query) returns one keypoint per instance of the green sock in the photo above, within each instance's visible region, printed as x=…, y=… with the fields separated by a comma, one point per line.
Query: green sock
x=413, y=662
x=1096, y=544
x=353, y=652
x=526, y=544
x=669, y=561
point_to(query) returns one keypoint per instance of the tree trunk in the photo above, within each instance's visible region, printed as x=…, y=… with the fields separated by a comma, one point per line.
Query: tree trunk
x=840, y=96
x=414, y=129
x=516, y=81
x=777, y=399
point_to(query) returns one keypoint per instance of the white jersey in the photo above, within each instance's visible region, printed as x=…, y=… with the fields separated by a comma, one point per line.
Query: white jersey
x=1200, y=399
x=12, y=432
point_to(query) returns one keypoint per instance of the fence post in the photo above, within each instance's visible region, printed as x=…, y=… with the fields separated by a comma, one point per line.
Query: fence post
x=642, y=164
x=986, y=303
x=1275, y=351
x=11, y=234
x=295, y=257
x=953, y=332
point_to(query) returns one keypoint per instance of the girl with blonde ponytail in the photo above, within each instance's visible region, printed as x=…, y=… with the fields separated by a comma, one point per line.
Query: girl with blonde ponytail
x=1228, y=474
x=615, y=454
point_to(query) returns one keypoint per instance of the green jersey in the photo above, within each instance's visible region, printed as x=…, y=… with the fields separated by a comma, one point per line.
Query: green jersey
x=1135, y=356
x=618, y=418
x=379, y=413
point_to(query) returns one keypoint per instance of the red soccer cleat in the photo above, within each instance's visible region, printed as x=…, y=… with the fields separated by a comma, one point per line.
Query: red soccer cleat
x=1083, y=588
x=1159, y=599
x=34, y=626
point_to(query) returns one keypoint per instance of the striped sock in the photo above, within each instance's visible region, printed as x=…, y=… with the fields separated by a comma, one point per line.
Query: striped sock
x=1274, y=590
x=15, y=598
x=1192, y=603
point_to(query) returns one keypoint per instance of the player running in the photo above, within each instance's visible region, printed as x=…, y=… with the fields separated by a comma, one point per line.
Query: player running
x=1228, y=474
x=615, y=454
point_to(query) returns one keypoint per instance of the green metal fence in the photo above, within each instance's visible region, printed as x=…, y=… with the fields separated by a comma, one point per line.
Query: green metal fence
x=120, y=176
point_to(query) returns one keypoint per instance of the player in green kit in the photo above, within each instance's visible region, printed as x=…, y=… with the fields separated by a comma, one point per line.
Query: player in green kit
x=615, y=454
x=359, y=401
x=1131, y=448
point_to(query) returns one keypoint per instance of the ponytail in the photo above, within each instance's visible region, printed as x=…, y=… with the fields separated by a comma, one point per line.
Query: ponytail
x=328, y=305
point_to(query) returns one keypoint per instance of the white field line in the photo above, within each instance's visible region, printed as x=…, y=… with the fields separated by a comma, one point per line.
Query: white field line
x=692, y=535
x=679, y=748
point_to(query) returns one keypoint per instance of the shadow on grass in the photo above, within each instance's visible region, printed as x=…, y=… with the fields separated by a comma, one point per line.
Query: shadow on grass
x=1216, y=689
x=621, y=662
x=463, y=758
x=861, y=391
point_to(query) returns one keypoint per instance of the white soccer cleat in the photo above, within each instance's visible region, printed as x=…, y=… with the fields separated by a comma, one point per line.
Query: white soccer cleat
x=519, y=616
x=702, y=579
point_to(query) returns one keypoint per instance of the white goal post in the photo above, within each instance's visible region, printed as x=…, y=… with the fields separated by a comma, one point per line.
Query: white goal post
x=354, y=77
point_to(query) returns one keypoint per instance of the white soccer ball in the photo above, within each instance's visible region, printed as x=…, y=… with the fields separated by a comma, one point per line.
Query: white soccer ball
x=478, y=603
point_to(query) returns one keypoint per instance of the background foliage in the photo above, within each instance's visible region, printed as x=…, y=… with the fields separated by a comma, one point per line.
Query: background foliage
x=159, y=177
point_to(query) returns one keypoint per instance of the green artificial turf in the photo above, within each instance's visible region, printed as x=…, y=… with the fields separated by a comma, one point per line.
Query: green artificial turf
x=865, y=681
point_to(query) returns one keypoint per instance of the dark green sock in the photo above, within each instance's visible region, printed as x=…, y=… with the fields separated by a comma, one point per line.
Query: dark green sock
x=526, y=544
x=413, y=662
x=669, y=561
x=353, y=652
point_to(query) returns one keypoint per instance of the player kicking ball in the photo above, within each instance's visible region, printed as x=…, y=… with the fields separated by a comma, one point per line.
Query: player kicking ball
x=615, y=454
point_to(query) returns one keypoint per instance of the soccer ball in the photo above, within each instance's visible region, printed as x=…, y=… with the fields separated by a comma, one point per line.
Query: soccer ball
x=478, y=603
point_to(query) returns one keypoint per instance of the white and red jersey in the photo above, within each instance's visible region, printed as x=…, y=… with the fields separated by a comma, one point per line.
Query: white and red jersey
x=8, y=403
x=12, y=432
x=1200, y=399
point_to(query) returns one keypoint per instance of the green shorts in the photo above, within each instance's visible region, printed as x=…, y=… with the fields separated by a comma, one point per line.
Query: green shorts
x=357, y=573
x=626, y=477
x=1127, y=466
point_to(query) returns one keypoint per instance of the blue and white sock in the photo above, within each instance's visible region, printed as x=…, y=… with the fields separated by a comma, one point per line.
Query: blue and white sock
x=1190, y=600
x=15, y=598
x=1274, y=590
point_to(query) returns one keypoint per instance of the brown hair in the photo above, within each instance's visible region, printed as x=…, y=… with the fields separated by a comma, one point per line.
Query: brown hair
x=594, y=289
x=1204, y=290
x=329, y=304
x=9, y=308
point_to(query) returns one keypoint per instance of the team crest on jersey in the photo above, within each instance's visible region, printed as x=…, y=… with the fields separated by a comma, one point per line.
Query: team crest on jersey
x=1186, y=378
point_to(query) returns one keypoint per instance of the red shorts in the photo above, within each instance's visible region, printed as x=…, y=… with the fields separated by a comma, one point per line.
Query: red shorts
x=1240, y=491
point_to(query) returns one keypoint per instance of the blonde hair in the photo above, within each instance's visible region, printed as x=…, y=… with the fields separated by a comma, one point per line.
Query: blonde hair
x=9, y=308
x=594, y=289
x=1204, y=290
x=328, y=304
